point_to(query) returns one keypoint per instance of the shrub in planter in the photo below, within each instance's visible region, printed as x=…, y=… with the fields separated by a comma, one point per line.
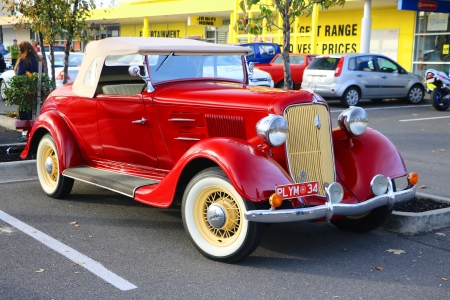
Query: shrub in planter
x=22, y=91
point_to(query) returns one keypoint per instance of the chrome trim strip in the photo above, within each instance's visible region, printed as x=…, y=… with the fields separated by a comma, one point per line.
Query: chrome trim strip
x=327, y=210
x=187, y=139
x=181, y=120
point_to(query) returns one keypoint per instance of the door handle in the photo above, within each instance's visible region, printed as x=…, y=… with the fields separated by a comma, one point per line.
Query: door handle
x=384, y=77
x=141, y=121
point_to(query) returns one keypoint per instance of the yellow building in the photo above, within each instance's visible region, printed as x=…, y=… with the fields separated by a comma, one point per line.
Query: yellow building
x=400, y=34
x=338, y=29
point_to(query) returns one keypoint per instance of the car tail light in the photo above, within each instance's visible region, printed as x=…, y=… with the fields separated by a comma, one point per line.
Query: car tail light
x=338, y=70
x=429, y=75
x=60, y=76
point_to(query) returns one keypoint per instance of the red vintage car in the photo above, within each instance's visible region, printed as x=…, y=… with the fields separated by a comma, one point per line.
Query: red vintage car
x=167, y=121
x=298, y=64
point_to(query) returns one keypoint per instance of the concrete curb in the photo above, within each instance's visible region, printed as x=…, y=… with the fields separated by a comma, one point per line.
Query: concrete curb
x=410, y=222
x=18, y=171
x=401, y=222
x=7, y=122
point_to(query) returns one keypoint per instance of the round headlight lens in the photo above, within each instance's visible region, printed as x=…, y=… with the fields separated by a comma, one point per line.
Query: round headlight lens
x=379, y=185
x=353, y=120
x=272, y=130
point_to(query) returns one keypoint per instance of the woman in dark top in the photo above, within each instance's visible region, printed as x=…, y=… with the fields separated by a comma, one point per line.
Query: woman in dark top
x=28, y=59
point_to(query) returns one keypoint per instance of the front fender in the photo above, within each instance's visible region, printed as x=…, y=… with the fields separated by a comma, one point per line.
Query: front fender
x=51, y=122
x=252, y=172
x=358, y=160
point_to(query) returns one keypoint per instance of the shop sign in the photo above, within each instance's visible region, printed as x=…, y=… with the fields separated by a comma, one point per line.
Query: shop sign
x=205, y=21
x=421, y=5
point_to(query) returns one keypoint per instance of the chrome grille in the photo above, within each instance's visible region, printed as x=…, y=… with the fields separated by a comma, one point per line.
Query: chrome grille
x=309, y=148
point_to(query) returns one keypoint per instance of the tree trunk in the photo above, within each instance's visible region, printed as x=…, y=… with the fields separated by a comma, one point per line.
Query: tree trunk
x=41, y=42
x=286, y=45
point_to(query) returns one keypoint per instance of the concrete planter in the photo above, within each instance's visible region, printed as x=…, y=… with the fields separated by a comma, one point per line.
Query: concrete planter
x=409, y=222
x=7, y=122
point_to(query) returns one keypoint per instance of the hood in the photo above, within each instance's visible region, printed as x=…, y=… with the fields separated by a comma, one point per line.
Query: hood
x=234, y=95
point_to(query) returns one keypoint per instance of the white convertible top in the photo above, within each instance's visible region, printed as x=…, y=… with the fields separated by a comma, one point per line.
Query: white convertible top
x=97, y=51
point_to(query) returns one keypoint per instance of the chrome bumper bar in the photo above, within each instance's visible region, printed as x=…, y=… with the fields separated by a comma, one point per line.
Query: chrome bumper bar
x=328, y=210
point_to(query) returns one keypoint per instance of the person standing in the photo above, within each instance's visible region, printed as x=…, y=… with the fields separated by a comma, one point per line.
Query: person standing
x=28, y=59
x=14, y=50
x=35, y=46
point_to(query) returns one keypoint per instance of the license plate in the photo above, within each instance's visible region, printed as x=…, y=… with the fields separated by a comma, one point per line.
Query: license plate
x=298, y=189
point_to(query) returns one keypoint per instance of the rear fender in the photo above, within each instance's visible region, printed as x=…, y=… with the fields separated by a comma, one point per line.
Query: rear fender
x=251, y=171
x=51, y=122
x=358, y=160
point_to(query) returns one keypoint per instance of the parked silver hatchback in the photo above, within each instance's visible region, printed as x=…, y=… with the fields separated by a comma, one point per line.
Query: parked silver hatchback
x=351, y=77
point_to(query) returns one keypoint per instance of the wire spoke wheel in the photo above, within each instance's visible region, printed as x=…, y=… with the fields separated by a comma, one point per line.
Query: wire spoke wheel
x=227, y=234
x=52, y=182
x=213, y=215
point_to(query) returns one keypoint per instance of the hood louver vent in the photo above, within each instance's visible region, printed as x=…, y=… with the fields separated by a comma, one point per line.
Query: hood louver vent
x=225, y=126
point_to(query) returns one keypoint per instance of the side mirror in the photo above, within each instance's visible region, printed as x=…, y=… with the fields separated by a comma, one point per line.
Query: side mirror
x=251, y=68
x=134, y=71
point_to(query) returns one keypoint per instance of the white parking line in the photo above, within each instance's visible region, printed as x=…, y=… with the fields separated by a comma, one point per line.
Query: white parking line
x=387, y=107
x=421, y=119
x=75, y=256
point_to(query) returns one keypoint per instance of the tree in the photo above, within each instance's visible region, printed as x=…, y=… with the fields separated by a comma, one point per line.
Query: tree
x=52, y=19
x=289, y=10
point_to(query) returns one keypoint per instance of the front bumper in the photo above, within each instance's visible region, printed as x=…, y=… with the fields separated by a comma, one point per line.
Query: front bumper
x=328, y=210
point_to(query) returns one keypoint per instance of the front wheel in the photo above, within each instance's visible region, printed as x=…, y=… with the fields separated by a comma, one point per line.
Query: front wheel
x=52, y=182
x=415, y=94
x=440, y=99
x=365, y=222
x=350, y=97
x=213, y=215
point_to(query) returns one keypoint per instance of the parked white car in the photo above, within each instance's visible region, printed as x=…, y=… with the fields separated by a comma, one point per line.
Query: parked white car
x=261, y=78
x=75, y=59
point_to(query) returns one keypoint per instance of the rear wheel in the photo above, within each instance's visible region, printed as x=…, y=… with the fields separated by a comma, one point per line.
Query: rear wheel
x=52, y=182
x=440, y=99
x=415, y=94
x=365, y=222
x=351, y=97
x=213, y=215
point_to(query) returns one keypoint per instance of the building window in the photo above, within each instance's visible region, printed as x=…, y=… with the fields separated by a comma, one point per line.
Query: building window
x=432, y=43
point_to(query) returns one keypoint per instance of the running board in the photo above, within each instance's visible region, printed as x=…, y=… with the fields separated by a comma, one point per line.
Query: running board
x=119, y=183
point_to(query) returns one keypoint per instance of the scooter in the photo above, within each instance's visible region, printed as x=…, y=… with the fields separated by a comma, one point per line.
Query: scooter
x=438, y=83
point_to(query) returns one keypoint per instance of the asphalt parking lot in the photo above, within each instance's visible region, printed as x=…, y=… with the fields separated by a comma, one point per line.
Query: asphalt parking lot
x=100, y=245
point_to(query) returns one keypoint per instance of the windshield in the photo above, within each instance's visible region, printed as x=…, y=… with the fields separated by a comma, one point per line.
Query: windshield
x=173, y=67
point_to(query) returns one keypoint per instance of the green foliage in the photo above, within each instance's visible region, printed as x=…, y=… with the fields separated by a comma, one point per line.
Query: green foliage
x=22, y=90
x=54, y=19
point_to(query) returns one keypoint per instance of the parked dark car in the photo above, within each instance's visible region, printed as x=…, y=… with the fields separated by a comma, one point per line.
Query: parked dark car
x=262, y=53
x=56, y=48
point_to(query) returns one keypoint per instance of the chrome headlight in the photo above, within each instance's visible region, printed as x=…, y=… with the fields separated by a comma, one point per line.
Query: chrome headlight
x=353, y=120
x=379, y=185
x=272, y=130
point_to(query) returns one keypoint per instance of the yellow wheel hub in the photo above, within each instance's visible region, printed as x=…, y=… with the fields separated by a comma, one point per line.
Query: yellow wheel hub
x=49, y=165
x=226, y=208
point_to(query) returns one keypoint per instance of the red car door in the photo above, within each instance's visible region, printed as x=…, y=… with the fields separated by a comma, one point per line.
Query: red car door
x=125, y=130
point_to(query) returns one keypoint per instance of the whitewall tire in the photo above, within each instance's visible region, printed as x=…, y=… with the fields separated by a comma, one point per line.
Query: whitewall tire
x=52, y=182
x=223, y=236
